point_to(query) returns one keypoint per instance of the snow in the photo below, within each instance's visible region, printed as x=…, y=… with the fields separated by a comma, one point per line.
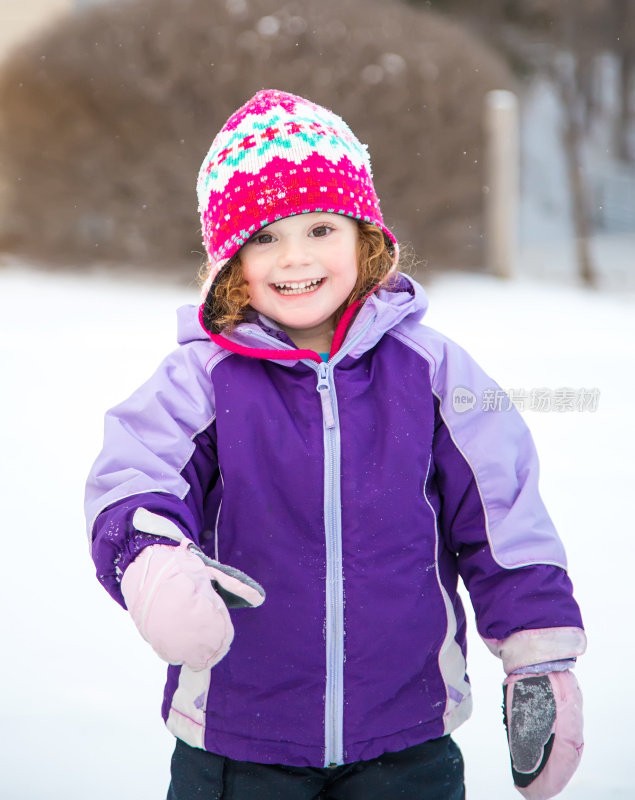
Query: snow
x=81, y=691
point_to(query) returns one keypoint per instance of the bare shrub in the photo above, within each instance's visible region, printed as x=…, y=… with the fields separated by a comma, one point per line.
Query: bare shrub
x=105, y=118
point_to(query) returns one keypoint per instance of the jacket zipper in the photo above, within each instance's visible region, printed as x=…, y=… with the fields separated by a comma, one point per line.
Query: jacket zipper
x=334, y=695
x=324, y=388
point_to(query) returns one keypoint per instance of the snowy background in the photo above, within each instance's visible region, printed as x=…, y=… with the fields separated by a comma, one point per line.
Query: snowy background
x=81, y=691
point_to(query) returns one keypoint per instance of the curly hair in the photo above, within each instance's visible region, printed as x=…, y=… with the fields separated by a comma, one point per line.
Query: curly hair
x=227, y=301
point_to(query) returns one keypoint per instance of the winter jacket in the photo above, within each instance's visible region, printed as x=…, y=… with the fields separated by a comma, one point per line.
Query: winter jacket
x=356, y=492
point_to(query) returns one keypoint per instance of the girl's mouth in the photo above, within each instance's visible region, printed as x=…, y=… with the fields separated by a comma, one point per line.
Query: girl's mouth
x=298, y=287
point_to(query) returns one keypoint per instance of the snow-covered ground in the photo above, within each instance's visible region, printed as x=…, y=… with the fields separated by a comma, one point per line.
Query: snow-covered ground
x=81, y=691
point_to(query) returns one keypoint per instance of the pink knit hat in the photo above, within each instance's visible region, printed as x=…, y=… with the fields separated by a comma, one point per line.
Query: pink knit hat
x=277, y=156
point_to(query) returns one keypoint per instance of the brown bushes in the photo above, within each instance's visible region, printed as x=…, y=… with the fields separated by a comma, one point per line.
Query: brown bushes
x=104, y=119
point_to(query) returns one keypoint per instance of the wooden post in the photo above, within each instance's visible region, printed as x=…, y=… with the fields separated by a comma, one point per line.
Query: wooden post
x=501, y=182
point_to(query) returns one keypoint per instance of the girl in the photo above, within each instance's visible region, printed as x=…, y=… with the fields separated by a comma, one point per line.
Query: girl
x=312, y=434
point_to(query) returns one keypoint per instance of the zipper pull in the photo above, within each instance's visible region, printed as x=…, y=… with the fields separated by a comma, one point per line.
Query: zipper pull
x=324, y=388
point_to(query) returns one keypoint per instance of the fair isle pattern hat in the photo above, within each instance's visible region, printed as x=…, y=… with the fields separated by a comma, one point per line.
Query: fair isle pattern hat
x=277, y=156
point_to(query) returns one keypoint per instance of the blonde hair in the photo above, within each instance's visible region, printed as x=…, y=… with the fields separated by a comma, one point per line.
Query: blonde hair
x=227, y=301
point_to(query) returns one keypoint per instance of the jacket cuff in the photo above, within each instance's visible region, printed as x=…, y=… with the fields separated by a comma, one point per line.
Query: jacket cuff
x=156, y=524
x=124, y=530
x=536, y=646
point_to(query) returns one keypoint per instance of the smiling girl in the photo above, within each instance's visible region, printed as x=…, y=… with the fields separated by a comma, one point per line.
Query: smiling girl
x=304, y=433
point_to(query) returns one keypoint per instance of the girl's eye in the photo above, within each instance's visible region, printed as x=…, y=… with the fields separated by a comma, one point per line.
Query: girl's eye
x=321, y=230
x=262, y=238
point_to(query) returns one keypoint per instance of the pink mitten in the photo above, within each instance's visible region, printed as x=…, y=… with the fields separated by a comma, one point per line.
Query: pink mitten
x=543, y=718
x=170, y=593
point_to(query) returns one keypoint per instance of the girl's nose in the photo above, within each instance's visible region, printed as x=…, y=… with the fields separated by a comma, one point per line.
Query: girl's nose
x=294, y=251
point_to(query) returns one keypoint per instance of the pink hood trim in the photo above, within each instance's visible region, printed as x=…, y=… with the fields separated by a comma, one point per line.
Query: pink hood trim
x=294, y=355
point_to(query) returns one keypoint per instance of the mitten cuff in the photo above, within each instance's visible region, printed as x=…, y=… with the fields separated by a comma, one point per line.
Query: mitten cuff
x=562, y=665
x=536, y=646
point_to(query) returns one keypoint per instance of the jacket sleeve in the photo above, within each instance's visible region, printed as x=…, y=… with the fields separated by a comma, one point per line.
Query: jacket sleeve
x=159, y=455
x=492, y=517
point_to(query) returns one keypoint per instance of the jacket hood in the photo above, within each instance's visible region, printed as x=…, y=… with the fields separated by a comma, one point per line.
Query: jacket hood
x=380, y=312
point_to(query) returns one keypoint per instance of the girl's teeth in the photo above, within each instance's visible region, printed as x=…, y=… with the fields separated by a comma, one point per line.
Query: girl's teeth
x=297, y=288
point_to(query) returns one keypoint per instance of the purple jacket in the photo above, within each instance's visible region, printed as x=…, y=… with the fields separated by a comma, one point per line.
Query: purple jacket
x=356, y=492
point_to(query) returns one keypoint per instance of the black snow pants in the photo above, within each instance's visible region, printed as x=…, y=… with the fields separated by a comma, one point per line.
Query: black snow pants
x=429, y=771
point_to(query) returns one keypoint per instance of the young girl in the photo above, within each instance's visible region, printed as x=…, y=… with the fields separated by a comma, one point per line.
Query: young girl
x=311, y=434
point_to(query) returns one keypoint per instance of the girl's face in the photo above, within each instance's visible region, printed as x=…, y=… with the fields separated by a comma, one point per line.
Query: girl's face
x=300, y=270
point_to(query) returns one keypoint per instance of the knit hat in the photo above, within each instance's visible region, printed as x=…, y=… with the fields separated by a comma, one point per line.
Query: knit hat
x=277, y=156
